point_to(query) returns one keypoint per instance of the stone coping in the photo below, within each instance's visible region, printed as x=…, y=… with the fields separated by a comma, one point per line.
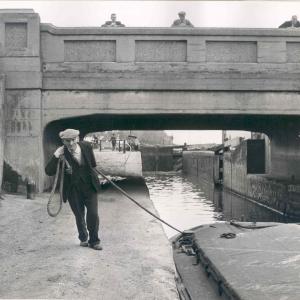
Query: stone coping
x=210, y=31
x=16, y=10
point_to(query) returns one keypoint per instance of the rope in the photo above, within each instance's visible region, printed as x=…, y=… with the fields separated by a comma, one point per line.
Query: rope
x=233, y=223
x=61, y=184
x=134, y=201
x=61, y=163
x=228, y=235
x=110, y=181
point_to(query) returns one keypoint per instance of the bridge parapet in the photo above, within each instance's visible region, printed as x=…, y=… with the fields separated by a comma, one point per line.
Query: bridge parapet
x=20, y=48
x=170, y=59
x=146, y=58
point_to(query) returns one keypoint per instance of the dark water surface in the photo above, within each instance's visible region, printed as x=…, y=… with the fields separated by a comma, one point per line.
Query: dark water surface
x=185, y=202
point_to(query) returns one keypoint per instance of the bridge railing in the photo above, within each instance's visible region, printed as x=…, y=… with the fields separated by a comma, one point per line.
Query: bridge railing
x=120, y=146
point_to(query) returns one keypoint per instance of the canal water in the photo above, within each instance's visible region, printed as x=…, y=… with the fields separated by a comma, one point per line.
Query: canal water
x=185, y=202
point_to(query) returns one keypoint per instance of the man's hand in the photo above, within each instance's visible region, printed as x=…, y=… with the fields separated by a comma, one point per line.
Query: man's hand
x=68, y=171
x=59, y=151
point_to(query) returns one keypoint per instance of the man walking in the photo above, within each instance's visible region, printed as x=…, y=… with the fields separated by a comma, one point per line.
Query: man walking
x=80, y=185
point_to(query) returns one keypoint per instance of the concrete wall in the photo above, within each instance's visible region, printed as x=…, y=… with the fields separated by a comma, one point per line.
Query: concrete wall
x=20, y=62
x=193, y=59
x=285, y=149
x=2, y=132
x=235, y=169
x=67, y=104
x=282, y=195
x=23, y=132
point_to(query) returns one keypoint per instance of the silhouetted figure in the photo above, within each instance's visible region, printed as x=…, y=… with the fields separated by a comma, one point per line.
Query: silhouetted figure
x=182, y=21
x=184, y=148
x=113, y=142
x=113, y=22
x=292, y=23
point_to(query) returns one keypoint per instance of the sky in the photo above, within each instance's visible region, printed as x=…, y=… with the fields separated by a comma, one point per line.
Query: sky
x=262, y=14
x=252, y=14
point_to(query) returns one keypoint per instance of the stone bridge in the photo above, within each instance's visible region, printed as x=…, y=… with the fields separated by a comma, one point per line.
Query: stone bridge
x=98, y=79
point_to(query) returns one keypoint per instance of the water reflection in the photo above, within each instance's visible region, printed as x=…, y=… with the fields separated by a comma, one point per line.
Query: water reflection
x=185, y=202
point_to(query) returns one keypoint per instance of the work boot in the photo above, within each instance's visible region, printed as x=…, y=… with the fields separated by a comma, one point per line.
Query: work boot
x=96, y=246
x=84, y=243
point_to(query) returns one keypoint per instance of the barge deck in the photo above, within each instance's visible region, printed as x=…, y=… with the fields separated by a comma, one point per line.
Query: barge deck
x=240, y=260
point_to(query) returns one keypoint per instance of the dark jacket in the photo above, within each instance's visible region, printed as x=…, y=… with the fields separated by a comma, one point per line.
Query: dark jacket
x=110, y=24
x=185, y=22
x=69, y=180
x=288, y=24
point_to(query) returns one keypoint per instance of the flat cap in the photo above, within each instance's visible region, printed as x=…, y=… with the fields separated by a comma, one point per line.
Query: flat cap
x=69, y=134
x=181, y=13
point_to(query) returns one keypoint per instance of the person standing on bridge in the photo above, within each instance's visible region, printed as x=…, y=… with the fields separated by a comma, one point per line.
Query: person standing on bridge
x=113, y=22
x=292, y=23
x=81, y=185
x=113, y=142
x=182, y=21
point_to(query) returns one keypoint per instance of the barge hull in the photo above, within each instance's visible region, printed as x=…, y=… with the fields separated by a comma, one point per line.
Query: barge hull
x=246, y=261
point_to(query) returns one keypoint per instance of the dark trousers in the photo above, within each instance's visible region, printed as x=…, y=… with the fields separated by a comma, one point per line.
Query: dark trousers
x=82, y=196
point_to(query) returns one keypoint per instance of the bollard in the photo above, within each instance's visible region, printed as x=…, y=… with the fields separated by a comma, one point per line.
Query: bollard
x=30, y=189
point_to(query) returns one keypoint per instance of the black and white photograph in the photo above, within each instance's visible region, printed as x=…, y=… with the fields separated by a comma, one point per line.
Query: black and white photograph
x=150, y=150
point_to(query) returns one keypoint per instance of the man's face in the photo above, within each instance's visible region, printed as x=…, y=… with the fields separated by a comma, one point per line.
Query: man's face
x=71, y=144
x=181, y=17
x=113, y=17
x=294, y=19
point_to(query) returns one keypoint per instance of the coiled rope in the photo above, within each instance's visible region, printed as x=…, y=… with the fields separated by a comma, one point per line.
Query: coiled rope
x=53, y=213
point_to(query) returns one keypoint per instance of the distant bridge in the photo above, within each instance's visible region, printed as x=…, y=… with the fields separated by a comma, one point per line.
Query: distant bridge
x=98, y=79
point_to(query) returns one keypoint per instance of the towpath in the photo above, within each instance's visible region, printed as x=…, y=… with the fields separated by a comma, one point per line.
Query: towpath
x=40, y=256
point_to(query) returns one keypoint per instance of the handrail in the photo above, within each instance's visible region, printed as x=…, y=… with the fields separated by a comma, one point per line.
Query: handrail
x=118, y=146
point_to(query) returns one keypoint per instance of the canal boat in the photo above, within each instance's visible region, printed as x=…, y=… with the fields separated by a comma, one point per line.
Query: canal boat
x=238, y=260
